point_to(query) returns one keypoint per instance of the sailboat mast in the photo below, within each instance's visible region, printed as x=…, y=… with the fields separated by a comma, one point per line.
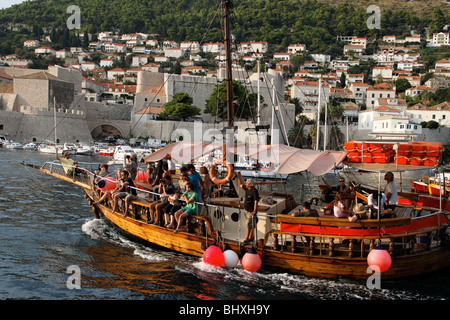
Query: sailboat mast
x=318, y=117
x=227, y=4
x=259, y=98
x=54, y=117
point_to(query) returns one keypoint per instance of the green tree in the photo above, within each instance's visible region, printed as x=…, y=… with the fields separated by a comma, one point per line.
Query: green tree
x=216, y=105
x=401, y=85
x=180, y=107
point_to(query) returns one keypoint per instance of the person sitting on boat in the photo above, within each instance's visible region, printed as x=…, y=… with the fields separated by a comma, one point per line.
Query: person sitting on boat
x=390, y=190
x=342, y=187
x=66, y=162
x=190, y=196
x=372, y=205
x=338, y=206
x=171, y=164
x=166, y=172
x=158, y=178
x=206, y=181
x=359, y=212
x=104, y=170
x=306, y=211
x=127, y=191
x=250, y=207
x=174, y=201
x=130, y=164
x=196, y=180
x=166, y=189
x=78, y=170
x=111, y=192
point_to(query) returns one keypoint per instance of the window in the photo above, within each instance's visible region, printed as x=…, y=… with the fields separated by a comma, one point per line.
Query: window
x=443, y=117
x=434, y=116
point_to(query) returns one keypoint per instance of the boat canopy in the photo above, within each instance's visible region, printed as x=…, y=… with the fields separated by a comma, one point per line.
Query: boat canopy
x=285, y=159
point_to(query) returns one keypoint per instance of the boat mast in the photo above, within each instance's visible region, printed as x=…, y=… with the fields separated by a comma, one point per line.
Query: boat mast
x=259, y=98
x=227, y=4
x=54, y=117
x=318, y=117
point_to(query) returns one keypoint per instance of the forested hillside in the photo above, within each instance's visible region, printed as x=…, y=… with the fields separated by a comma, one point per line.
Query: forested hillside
x=314, y=23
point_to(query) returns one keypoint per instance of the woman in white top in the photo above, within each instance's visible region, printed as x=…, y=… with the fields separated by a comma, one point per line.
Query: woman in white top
x=338, y=207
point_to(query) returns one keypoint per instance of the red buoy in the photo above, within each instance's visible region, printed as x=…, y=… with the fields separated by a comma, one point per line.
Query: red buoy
x=108, y=183
x=142, y=176
x=379, y=259
x=214, y=256
x=251, y=261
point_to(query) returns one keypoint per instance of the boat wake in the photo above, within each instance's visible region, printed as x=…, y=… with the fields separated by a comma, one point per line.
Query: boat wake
x=98, y=229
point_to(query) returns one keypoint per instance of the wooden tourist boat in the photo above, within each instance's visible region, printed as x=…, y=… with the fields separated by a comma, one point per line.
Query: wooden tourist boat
x=320, y=247
x=323, y=246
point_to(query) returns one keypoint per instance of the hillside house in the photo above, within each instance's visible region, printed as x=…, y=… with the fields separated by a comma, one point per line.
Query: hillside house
x=379, y=91
x=354, y=50
x=442, y=64
x=417, y=91
x=139, y=60
x=439, y=113
x=192, y=46
x=385, y=73
x=296, y=48
x=359, y=90
x=116, y=74
x=440, y=39
x=253, y=46
x=282, y=56
x=31, y=43
x=45, y=51
x=308, y=94
x=212, y=47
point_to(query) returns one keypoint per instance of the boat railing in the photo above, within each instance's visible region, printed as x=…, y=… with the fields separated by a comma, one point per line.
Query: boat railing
x=82, y=174
x=319, y=236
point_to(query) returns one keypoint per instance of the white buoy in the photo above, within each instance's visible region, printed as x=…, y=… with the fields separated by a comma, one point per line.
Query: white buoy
x=231, y=258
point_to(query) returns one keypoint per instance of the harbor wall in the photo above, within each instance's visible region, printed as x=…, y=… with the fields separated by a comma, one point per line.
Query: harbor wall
x=38, y=124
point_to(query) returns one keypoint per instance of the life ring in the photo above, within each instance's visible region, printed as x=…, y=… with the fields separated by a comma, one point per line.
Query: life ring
x=212, y=171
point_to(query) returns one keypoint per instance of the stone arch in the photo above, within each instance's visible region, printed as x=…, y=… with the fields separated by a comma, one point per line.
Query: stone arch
x=102, y=131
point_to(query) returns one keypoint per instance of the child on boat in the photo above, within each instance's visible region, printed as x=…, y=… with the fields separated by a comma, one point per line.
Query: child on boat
x=190, y=196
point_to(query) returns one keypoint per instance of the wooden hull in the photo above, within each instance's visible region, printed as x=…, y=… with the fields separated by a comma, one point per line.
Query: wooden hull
x=282, y=259
x=182, y=242
x=355, y=268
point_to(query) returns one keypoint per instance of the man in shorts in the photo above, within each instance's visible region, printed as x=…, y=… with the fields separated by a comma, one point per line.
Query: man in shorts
x=250, y=207
x=66, y=162
x=126, y=191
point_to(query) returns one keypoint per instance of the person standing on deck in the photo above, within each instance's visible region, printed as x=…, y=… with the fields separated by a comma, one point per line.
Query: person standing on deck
x=66, y=162
x=390, y=190
x=250, y=207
